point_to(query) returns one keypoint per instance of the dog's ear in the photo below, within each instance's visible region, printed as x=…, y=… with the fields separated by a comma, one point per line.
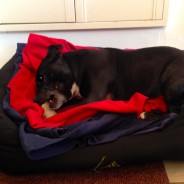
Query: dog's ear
x=52, y=56
x=53, y=51
x=54, y=48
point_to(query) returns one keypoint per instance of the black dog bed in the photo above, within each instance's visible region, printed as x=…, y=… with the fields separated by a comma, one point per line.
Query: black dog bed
x=165, y=144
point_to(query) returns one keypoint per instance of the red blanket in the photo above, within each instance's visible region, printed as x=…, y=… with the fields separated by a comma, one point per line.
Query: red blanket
x=22, y=91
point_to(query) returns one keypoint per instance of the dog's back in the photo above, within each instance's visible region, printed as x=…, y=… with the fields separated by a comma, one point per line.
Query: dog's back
x=151, y=71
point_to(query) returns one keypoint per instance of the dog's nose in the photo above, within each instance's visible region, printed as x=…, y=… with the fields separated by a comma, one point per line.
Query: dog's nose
x=52, y=99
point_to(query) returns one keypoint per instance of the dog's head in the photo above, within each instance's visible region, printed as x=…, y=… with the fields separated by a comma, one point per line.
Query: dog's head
x=54, y=80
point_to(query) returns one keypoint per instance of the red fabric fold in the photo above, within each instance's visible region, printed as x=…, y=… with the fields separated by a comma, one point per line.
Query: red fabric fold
x=22, y=91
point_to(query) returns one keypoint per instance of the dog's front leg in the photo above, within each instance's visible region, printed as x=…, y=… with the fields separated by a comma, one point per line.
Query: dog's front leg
x=98, y=92
x=97, y=95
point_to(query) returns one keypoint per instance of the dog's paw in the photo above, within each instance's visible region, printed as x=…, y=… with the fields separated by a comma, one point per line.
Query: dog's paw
x=143, y=115
x=152, y=115
x=48, y=112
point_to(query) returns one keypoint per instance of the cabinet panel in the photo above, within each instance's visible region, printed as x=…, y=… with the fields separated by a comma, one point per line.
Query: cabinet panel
x=36, y=11
x=40, y=15
x=118, y=10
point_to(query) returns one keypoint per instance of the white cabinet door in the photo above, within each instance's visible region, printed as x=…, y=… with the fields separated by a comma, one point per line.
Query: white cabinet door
x=37, y=15
x=36, y=11
x=118, y=10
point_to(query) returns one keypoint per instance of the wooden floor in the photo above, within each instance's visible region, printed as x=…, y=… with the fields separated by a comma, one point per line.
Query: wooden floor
x=175, y=171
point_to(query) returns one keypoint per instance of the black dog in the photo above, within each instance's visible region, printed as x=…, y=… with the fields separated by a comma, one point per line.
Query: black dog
x=98, y=74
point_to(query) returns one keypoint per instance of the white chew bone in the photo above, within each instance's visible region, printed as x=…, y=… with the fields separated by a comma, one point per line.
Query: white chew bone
x=48, y=112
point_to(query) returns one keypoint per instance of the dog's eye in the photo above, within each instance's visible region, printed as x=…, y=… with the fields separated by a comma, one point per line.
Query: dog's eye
x=40, y=78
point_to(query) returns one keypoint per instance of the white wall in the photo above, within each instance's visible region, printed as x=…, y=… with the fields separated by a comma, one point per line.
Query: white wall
x=172, y=35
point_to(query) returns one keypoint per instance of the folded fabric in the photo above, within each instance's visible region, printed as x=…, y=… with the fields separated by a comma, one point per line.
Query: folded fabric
x=103, y=128
x=22, y=91
x=16, y=116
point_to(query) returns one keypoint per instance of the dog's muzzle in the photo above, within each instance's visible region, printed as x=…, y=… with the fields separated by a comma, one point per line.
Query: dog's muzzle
x=56, y=101
x=54, y=98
